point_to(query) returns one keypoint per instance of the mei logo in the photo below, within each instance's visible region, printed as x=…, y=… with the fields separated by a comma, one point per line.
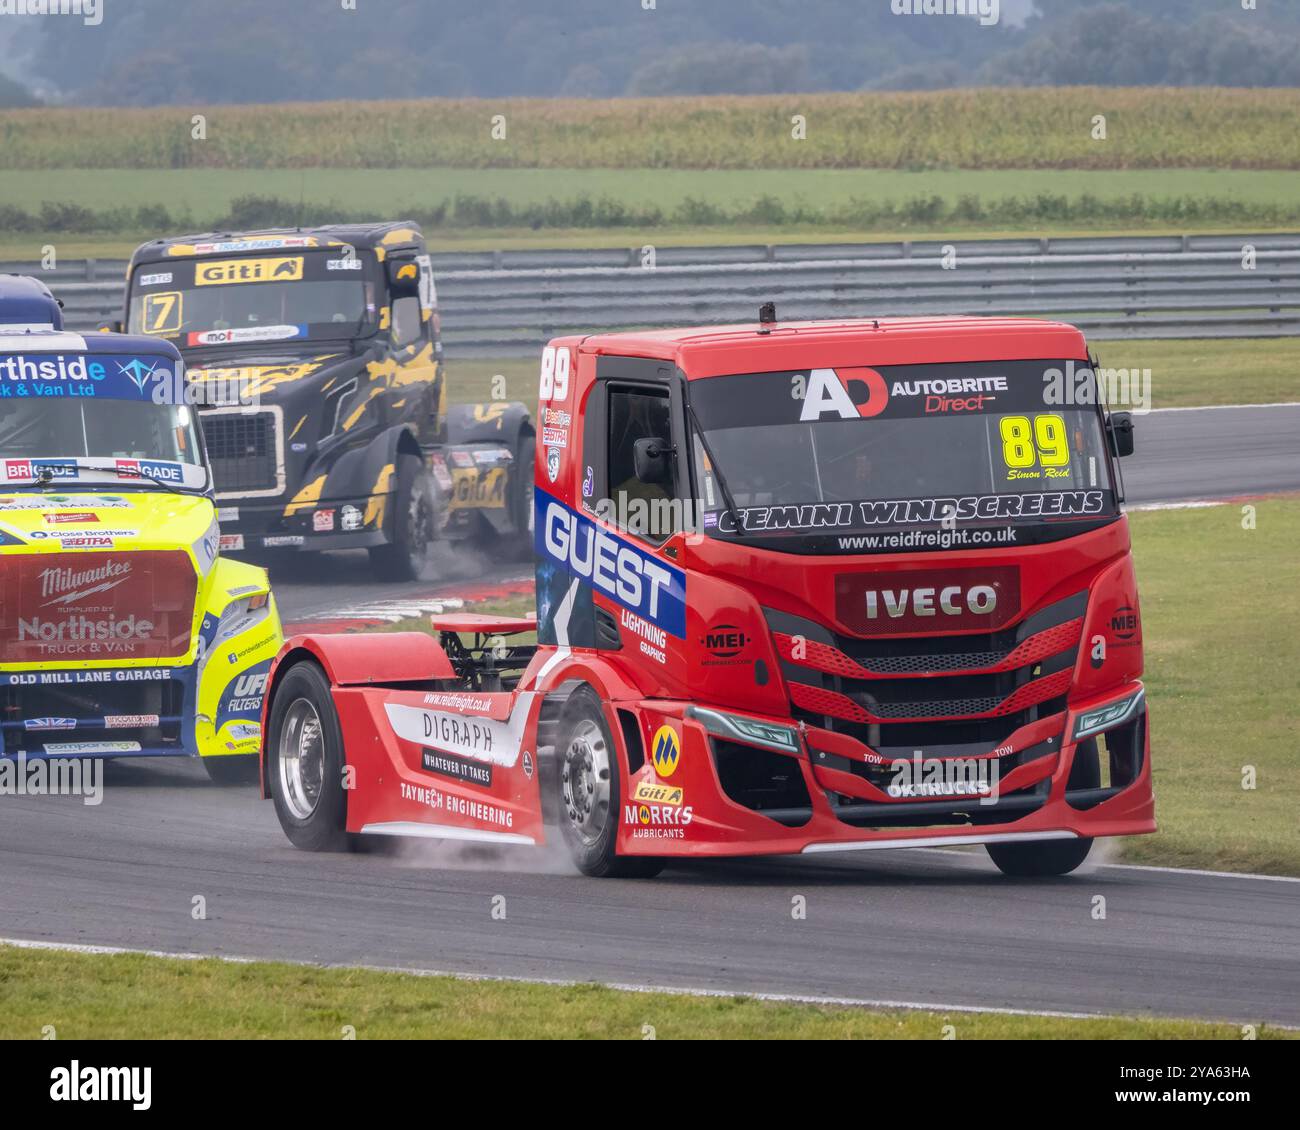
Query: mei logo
x=844, y=394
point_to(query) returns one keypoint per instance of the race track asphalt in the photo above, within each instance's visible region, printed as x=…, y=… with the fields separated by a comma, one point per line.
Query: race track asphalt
x=920, y=927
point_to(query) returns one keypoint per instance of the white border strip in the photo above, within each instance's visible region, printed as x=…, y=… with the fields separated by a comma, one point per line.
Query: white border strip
x=938, y=841
x=1216, y=407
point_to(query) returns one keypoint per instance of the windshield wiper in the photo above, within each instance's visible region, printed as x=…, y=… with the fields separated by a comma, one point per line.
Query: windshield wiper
x=45, y=476
x=716, y=470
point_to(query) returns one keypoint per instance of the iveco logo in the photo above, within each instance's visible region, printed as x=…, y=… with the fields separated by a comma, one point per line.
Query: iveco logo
x=952, y=600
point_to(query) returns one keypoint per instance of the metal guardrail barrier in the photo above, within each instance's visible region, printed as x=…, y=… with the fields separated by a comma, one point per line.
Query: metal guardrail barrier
x=509, y=302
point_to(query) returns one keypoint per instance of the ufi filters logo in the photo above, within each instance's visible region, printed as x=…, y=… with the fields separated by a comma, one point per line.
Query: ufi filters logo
x=224, y=272
x=76, y=1083
x=90, y=11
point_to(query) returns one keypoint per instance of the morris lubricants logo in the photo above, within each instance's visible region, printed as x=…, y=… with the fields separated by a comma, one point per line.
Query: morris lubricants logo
x=224, y=272
x=666, y=751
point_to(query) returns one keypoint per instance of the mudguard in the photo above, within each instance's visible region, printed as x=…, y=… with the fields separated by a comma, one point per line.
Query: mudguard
x=236, y=646
x=498, y=422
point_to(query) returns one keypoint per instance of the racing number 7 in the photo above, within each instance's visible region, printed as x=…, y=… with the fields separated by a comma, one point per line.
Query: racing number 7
x=162, y=313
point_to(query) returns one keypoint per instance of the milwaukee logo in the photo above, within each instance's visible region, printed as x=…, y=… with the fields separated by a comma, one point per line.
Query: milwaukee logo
x=66, y=585
x=952, y=600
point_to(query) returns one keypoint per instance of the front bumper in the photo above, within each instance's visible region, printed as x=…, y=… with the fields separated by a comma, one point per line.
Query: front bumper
x=350, y=523
x=739, y=799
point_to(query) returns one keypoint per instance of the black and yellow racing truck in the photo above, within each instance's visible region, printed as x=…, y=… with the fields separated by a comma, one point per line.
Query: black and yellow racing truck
x=315, y=361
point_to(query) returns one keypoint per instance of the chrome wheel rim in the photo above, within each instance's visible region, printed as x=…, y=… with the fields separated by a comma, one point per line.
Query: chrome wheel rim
x=301, y=755
x=585, y=782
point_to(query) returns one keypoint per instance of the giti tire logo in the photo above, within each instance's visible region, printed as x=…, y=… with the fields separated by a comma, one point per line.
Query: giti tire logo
x=224, y=272
x=846, y=394
x=666, y=751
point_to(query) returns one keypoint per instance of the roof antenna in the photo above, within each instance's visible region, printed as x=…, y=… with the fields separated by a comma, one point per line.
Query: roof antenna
x=766, y=317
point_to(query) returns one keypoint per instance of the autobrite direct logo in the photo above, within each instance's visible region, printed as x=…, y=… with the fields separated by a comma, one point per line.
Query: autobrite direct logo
x=90, y=11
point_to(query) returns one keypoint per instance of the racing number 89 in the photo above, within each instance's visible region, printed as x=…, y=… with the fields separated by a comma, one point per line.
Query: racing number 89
x=1043, y=440
x=555, y=374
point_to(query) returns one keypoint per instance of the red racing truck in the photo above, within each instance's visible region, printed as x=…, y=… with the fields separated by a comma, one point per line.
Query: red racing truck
x=800, y=588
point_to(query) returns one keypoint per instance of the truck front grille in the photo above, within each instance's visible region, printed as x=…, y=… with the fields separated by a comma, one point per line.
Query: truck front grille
x=244, y=448
x=89, y=705
x=941, y=696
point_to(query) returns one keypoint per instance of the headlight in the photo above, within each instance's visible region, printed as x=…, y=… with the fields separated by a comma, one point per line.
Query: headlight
x=735, y=727
x=240, y=615
x=1107, y=717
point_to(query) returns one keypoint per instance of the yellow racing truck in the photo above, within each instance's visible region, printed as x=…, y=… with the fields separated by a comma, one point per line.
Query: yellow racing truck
x=123, y=632
x=317, y=357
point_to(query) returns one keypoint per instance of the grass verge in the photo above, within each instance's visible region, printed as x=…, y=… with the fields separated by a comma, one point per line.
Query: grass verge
x=1221, y=620
x=133, y=996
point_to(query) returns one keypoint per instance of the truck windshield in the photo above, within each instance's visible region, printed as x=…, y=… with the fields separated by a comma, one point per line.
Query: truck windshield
x=860, y=460
x=67, y=418
x=197, y=303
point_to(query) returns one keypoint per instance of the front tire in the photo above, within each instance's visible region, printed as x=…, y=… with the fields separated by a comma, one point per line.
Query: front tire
x=304, y=751
x=1039, y=859
x=589, y=787
x=410, y=552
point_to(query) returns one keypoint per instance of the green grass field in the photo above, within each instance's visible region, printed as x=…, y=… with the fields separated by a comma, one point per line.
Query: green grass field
x=208, y=193
x=130, y=996
x=1221, y=620
x=1011, y=128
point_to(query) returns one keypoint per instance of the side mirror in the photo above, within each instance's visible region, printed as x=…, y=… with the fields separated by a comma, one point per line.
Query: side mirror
x=650, y=460
x=403, y=278
x=1119, y=430
x=109, y=328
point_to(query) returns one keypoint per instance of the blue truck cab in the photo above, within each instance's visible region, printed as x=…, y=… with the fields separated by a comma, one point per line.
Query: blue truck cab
x=26, y=305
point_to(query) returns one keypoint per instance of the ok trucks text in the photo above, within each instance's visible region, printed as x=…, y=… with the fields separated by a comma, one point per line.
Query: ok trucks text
x=800, y=588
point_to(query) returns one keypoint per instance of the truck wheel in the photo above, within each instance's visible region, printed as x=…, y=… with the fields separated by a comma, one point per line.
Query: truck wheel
x=1039, y=859
x=406, y=557
x=232, y=769
x=590, y=792
x=304, y=751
